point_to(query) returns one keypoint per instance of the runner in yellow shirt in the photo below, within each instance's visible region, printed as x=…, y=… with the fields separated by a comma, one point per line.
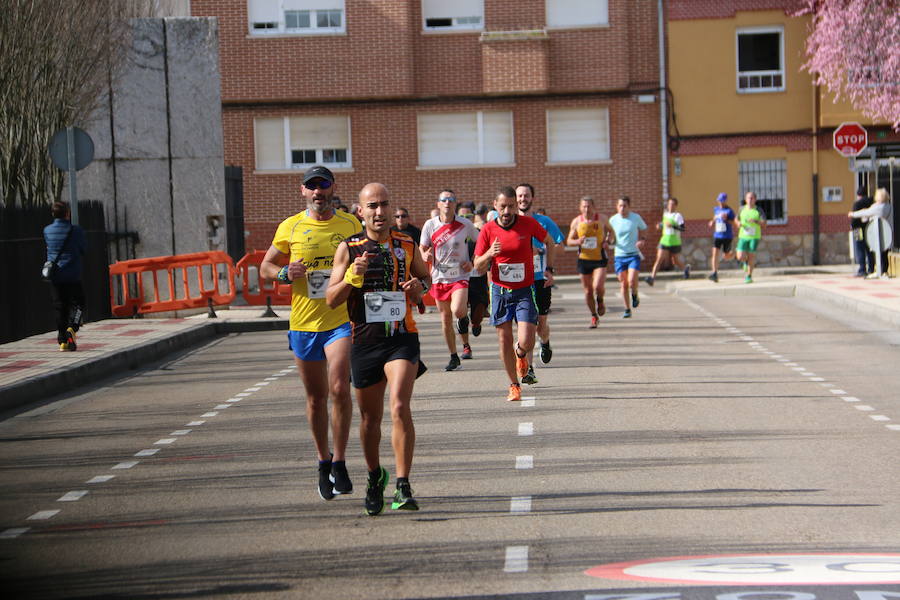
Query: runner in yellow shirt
x=590, y=231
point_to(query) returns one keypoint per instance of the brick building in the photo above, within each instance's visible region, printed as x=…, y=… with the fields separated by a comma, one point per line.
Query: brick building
x=427, y=94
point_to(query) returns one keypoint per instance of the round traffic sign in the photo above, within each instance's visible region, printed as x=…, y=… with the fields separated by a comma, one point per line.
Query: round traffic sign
x=872, y=239
x=59, y=149
x=850, y=139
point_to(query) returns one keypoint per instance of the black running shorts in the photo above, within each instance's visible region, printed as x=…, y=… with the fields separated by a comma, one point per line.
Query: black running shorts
x=367, y=360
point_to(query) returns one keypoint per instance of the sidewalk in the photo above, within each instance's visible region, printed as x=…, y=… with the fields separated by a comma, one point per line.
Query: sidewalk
x=33, y=369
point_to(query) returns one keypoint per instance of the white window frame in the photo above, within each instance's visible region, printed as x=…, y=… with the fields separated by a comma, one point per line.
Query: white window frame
x=480, y=143
x=548, y=9
x=281, y=27
x=763, y=167
x=288, y=164
x=759, y=74
x=591, y=161
x=457, y=23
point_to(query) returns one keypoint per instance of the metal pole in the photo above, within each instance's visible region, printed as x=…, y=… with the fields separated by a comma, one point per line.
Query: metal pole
x=73, y=190
x=663, y=104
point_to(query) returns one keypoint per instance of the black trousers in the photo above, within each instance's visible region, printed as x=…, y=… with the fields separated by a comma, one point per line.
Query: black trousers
x=68, y=302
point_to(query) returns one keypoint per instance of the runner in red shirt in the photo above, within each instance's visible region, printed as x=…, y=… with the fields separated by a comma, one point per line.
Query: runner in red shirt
x=504, y=246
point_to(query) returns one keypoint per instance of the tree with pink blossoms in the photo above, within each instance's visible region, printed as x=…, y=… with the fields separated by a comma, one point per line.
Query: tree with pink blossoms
x=854, y=50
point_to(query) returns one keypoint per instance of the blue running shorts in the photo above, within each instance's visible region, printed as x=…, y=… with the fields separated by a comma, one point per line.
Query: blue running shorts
x=310, y=345
x=632, y=261
x=513, y=305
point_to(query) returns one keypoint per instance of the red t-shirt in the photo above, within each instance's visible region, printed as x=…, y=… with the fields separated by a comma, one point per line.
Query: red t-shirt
x=515, y=251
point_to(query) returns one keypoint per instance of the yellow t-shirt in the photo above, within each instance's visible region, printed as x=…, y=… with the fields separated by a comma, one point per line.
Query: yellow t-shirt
x=314, y=242
x=592, y=248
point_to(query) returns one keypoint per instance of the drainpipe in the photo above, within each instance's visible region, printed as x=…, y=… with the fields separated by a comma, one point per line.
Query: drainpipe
x=663, y=102
x=815, y=174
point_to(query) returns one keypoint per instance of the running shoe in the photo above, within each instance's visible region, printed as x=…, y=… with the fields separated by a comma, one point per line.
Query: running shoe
x=466, y=353
x=601, y=306
x=375, y=492
x=403, y=498
x=326, y=487
x=476, y=330
x=340, y=478
x=649, y=280
x=626, y=314
x=421, y=307
x=462, y=325
x=454, y=363
x=70, y=340
x=515, y=393
x=546, y=353
x=530, y=378
x=748, y=279
x=635, y=300
x=64, y=347
x=521, y=364
x=687, y=272
x=714, y=277
x=594, y=322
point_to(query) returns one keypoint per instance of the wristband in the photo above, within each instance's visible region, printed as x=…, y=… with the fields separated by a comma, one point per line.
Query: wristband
x=354, y=280
x=283, y=275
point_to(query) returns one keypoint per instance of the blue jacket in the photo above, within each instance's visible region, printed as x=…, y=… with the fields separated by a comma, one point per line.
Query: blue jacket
x=69, y=260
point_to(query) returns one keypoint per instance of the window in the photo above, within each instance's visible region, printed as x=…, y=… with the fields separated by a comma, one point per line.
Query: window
x=760, y=60
x=446, y=15
x=577, y=13
x=295, y=16
x=768, y=180
x=451, y=139
x=300, y=142
x=577, y=135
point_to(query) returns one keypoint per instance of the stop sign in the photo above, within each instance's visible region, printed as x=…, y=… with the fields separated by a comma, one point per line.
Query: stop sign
x=850, y=139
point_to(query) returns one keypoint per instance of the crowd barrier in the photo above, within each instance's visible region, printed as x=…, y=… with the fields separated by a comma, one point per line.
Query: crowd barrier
x=259, y=291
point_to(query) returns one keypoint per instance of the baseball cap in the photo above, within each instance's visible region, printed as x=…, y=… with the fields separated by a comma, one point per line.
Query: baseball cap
x=723, y=197
x=318, y=172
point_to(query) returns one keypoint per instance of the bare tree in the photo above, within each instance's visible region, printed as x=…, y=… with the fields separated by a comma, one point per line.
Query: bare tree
x=57, y=59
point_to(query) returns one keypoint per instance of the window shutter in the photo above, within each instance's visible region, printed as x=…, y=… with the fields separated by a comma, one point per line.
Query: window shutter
x=497, y=138
x=577, y=135
x=448, y=139
x=270, y=144
x=312, y=4
x=564, y=13
x=264, y=11
x=436, y=9
x=319, y=132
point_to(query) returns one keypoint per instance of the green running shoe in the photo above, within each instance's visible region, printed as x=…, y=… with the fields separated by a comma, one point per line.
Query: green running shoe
x=403, y=498
x=375, y=492
x=530, y=378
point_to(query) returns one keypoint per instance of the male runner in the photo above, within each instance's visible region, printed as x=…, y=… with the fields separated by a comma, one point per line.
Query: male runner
x=478, y=282
x=376, y=272
x=543, y=255
x=590, y=231
x=443, y=243
x=670, y=242
x=750, y=220
x=627, y=226
x=301, y=254
x=504, y=247
x=723, y=234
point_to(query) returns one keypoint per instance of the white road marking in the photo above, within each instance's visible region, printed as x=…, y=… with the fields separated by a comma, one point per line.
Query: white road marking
x=851, y=399
x=127, y=464
x=242, y=395
x=180, y=432
x=525, y=462
x=208, y=415
x=893, y=427
x=879, y=418
x=527, y=401
x=807, y=374
x=783, y=360
x=147, y=452
x=252, y=389
x=272, y=378
x=864, y=407
x=520, y=504
x=526, y=428
x=43, y=515
x=817, y=379
x=100, y=479
x=776, y=356
x=262, y=383
x=72, y=496
x=234, y=400
x=797, y=368
x=13, y=533
x=516, y=559
x=195, y=423
x=221, y=406
x=838, y=392
x=164, y=442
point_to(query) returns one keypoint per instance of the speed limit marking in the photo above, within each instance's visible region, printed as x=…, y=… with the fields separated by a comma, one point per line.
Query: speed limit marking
x=759, y=569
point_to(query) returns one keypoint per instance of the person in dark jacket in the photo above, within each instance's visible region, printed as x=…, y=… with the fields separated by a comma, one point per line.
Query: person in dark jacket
x=861, y=251
x=65, y=246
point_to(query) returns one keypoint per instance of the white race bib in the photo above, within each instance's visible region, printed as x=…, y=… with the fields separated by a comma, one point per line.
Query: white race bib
x=316, y=283
x=511, y=272
x=538, y=261
x=382, y=307
x=749, y=231
x=589, y=243
x=721, y=226
x=450, y=270
x=668, y=230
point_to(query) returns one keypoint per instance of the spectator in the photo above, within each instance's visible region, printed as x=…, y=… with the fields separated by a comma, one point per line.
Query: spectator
x=865, y=258
x=880, y=209
x=65, y=247
x=404, y=225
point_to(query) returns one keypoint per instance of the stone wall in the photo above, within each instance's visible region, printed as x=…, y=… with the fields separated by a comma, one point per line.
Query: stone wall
x=778, y=250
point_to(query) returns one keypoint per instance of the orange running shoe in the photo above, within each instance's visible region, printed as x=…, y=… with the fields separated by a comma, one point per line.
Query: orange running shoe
x=515, y=393
x=594, y=322
x=521, y=366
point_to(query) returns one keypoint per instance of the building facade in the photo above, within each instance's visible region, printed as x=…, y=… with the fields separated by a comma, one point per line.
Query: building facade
x=426, y=94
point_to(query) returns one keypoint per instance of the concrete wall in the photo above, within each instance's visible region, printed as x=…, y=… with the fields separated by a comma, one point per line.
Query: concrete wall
x=159, y=165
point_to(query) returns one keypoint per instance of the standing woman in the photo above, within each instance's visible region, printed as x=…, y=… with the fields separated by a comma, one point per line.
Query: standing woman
x=881, y=208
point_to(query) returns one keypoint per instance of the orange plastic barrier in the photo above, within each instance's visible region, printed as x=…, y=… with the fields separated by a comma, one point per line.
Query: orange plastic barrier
x=127, y=282
x=267, y=292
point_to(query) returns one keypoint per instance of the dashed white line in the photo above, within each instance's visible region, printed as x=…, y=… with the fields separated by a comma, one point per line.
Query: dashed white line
x=73, y=496
x=234, y=400
x=43, y=515
x=100, y=479
x=526, y=428
x=893, y=427
x=525, y=462
x=520, y=504
x=164, y=442
x=864, y=407
x=259, y=384
x=851, y=399
x=516, y=559
x=221, y=406
x=837, y=392
x=195, y=424
x=13, y=532
x=527, y=401
x=147, y=452
x=252, y=389
x=180, y=432
x=209, y=414
x=879, y=418
x=126, y=465
x=243, y=395
x=817, y=379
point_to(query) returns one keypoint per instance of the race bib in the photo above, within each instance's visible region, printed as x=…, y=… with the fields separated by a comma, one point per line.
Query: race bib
x=450, y=270
x=748, y=231
x=668, y=230
x=316, y=283
x=589, y=243
x=538, y=263
x=721, y=226
x=511, y=272
x=382, y=307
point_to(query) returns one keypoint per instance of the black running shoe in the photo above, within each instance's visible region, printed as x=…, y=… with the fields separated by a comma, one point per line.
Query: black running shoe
x=340, y=478
x=529, y=378
x=714, y=277
x=403, y=498
x=546, y=352
x=462, y=325
x=326, y=487
x=375, y=492
x=635, y=300
x=454, y=363
x=476, y=330
x=649, y=279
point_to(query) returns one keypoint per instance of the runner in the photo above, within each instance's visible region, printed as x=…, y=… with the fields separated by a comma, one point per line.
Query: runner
x=627, y=226
x=590, y=231
x=504, y=247
x=443, y=244
x=301, y=254
x=670, y=243
x=543, y=256
x=750, y=220
x=478, y=282
x=723, y=234
x=376, y=272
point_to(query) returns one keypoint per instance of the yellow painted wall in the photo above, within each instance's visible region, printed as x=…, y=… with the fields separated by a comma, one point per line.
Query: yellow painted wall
x=832, y=113
x=703, y=77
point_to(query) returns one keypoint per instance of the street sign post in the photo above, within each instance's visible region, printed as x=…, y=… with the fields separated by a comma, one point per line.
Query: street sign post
x=850, y=139
x=72, y=149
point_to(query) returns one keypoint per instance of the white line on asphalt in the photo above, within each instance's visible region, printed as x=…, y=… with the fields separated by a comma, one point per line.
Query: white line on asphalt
x=43, y=515
x=164, y=442
x=72, y=496
x=272, y=378
x=208, y=415
x=251, y=389
x=127, y=464
x=797, y=368
x=147, y=452
x=221, y=406
x=520, y=504
x=817, y=379
x=234, y=400
x=791, y=364
x=807, y=374
x=526, y=428
x=777, y=356
x=825, y=385
x=746, y=338
x=13, y=533
x=262, y=383
x=783, y=360
x=242, y=395
x=527, y=401
x=851, y=399
x=893, y=427
x=864, y=407
x=100, y=479
x=525, y=462
x=180, y=432
x=879, y=418
x=516, y=559
x=838, y=392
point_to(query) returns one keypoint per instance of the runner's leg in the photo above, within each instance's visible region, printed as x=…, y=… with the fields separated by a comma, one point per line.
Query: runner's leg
x=507, y=351
x=371, y=411
x=338, y=358
x=401, y=375
x=314, y=374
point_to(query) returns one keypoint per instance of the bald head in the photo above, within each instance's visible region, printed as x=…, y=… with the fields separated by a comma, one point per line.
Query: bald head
x=373, y=189
x=375, y=204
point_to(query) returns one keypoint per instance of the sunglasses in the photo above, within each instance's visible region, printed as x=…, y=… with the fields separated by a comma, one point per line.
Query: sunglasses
x=321, y=184
x=447, y=199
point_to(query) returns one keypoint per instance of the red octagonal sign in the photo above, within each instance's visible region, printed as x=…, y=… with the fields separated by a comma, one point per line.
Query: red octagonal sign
x=850, y=139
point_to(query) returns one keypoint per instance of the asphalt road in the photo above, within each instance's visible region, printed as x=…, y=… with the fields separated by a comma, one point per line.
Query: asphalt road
x=705, y=427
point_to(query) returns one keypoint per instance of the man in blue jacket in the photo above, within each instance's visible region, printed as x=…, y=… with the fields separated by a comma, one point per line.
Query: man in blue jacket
x=65, y=247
